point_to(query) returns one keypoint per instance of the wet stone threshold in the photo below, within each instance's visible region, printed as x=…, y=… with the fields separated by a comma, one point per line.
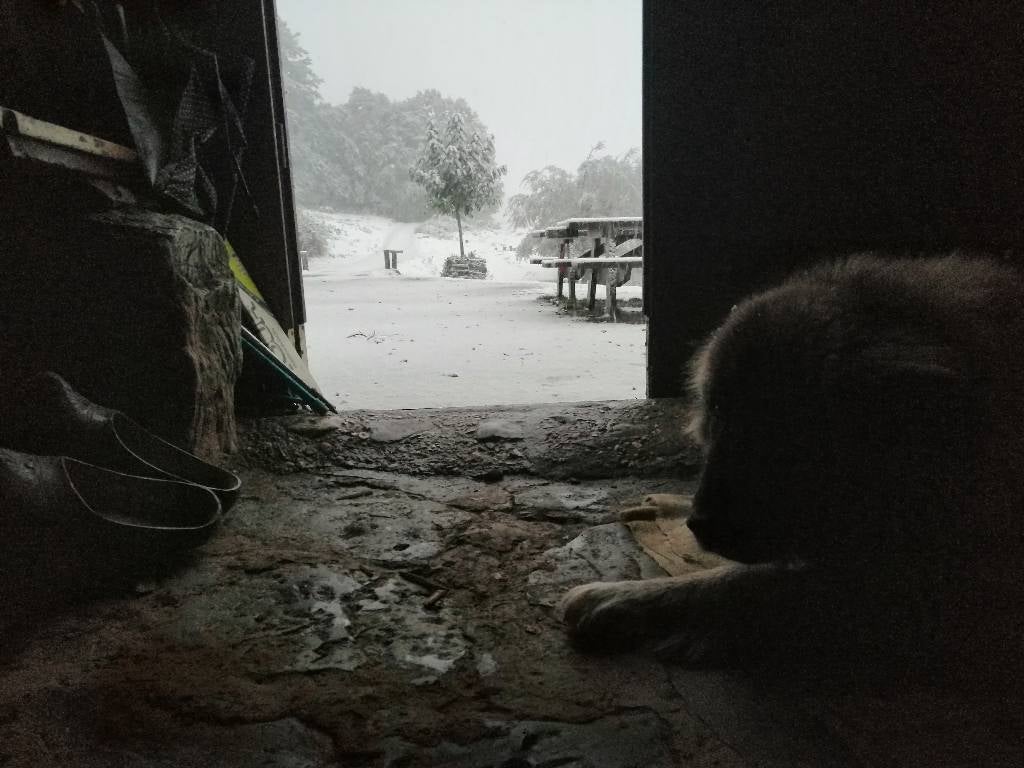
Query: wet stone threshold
x=382, y=595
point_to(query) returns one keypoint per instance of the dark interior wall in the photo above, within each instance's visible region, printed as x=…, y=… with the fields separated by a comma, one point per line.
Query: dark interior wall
x=776, y=135
x=54, y=68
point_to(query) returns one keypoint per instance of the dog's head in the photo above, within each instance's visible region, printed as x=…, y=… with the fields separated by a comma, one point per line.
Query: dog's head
x=835, y=422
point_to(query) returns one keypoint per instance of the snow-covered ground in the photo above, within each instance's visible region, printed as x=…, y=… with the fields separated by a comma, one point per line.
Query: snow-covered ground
x=412, y=339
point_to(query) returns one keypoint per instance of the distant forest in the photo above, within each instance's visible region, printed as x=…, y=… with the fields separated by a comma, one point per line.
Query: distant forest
x=356, y=156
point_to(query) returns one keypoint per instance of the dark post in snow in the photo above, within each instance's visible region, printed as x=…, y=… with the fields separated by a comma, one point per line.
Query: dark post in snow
x=592, y=292
x=561, y=269
x=611, y=278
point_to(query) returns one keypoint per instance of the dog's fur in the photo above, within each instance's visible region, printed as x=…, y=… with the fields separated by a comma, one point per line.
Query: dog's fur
x=863, y=430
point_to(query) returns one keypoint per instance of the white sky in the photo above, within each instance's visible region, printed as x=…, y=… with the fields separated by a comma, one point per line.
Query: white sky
x=549, y=78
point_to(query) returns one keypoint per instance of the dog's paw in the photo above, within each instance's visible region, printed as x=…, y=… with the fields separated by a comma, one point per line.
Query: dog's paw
x=682, y=618
x=603, y=616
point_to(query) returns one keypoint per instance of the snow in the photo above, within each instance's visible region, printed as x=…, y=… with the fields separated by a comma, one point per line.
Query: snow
x=410, y=339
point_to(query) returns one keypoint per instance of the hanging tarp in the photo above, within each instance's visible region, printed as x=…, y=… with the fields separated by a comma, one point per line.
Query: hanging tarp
x=185, y=107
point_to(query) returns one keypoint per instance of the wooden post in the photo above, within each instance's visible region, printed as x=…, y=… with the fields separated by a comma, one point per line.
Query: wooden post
x=387, y=259
x=573, y=273
x=561, y=269
x=592, y=292
x=394, y=259
x=611, y=276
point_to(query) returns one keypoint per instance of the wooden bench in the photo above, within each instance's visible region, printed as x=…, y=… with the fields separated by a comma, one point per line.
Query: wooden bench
x=612, y=266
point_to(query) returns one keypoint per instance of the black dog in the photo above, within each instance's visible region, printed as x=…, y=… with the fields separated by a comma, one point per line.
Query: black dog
x=863, y=429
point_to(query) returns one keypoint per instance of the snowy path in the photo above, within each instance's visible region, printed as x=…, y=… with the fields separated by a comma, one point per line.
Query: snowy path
x=381, y=340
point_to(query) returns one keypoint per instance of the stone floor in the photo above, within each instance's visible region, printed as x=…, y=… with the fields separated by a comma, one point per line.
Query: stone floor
x=382, y=594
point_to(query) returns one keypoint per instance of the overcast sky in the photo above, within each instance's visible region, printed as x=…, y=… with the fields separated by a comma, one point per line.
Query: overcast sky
x=549, y=78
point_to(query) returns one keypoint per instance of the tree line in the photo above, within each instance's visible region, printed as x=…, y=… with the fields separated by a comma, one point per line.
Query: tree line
x=356, y=156
x=603, y=185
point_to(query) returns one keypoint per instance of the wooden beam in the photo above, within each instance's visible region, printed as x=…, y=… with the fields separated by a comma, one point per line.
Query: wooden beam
x=600, y=261
x=15, y=123
x=36, y=146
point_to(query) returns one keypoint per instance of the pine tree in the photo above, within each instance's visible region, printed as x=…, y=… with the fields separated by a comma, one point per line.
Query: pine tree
x=301, y=83
x=458, y=171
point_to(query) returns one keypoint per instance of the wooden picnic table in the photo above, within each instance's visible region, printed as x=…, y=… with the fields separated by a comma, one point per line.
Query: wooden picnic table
x=614, y=264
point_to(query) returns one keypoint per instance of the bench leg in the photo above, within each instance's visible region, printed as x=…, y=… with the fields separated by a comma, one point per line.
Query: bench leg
x=562, y=269
x=611, y=276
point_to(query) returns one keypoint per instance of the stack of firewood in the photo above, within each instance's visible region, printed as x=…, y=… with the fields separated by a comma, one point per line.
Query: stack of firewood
x=470, y=266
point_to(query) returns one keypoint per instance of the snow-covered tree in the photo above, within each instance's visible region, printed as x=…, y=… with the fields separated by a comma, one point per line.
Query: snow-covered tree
x=550, y=193
x=355, y=156
x=458, y=170
x=603, y=185
x=300, y=81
